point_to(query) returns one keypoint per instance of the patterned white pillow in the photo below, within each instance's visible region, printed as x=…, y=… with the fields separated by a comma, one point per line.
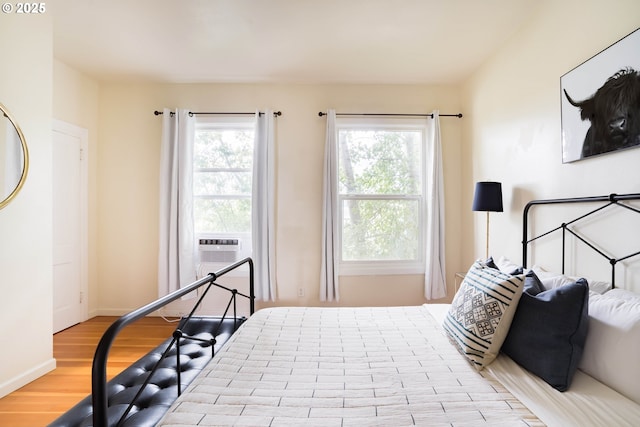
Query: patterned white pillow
x=481, y=312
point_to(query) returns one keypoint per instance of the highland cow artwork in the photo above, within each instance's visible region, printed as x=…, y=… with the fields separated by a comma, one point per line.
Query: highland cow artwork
x=600, y=102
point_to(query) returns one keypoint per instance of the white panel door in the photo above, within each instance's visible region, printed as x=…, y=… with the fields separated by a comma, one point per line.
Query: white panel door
x=69, y=225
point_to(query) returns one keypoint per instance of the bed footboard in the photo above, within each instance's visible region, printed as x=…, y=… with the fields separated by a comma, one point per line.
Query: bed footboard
x=99, y=396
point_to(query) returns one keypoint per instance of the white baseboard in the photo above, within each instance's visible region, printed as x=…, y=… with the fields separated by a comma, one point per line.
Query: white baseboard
x=119, y=312
x=26, y=377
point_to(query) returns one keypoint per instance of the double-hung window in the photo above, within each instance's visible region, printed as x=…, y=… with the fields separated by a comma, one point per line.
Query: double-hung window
x=223, y=159
x=381, y=191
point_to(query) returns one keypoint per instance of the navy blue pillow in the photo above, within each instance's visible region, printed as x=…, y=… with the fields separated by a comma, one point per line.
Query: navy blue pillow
x=549, y=330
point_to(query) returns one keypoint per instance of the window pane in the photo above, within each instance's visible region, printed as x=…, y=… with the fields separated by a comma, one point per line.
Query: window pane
x=380, y=161
x=222, y=183
x=375, y=230
x=223, y=158
x=223, y=148
x=222, y=216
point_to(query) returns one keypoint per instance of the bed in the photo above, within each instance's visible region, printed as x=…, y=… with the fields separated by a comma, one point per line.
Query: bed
x=426, y=365
x=377, y=367
x=303, y=366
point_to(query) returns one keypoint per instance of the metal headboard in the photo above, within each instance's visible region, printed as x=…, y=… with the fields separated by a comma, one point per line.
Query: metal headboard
x=603, y=202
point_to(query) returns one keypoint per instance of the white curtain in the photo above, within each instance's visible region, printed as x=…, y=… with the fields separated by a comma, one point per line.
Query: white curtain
x=177, y=249
x=263, y=208
x=329, y=289
x=434, y=278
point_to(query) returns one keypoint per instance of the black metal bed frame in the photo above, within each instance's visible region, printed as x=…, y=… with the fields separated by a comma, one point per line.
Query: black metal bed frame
x=99, y=397
x=604, y=202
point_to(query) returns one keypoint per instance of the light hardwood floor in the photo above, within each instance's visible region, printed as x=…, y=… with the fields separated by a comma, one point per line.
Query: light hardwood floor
x=43, y=400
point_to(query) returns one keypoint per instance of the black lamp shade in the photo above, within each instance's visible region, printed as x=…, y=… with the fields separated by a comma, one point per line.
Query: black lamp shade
x=488, y=197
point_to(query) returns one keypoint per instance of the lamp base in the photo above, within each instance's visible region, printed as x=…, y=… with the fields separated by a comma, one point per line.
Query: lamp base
x=487, y=248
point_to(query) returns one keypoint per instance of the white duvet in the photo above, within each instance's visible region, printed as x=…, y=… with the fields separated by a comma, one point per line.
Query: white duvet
x=387, y=366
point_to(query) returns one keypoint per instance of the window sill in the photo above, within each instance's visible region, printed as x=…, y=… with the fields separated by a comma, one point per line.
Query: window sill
x=211, y=267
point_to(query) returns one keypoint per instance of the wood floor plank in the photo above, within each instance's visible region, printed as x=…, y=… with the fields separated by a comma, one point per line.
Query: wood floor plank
x=43, y=400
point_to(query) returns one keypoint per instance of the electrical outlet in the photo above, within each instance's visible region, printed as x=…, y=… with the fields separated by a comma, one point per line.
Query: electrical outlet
x=300, y=292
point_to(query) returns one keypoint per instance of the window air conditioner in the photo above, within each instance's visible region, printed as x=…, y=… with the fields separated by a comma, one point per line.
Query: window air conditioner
x=218, y=250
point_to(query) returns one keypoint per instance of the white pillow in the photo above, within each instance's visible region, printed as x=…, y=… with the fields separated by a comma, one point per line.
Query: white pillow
x=613, y=344
x=556, y=281
x=599, y=286
x=624, y=294
x=551, y=280
x=544, y=274
x=505, y=265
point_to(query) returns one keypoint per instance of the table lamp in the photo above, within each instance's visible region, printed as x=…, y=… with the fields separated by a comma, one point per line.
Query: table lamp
x=487, y=198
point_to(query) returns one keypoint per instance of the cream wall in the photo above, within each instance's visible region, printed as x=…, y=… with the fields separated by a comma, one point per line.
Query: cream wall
x=128, y=175
x=25, y=224
x=512, y=126
x=75, y=101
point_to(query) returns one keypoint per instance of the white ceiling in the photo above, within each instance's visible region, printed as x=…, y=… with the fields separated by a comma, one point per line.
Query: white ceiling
x=283, y=41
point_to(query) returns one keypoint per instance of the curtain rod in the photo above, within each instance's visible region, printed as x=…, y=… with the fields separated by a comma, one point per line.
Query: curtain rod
x=191, y=113
x=459, y=115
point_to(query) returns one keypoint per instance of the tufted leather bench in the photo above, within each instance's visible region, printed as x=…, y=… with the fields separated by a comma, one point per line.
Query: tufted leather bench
x=162, y=390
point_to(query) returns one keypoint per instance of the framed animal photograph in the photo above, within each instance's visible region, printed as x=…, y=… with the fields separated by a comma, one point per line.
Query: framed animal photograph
x=600, y=102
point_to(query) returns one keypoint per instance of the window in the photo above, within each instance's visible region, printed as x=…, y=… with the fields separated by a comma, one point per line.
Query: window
x=222, y=177
x=381, y=196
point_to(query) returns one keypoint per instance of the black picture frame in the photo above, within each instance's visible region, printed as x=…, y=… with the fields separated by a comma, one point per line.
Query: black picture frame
x=595, y=119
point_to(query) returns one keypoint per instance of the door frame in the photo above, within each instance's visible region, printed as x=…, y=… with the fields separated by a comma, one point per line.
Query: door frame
x=83, y=136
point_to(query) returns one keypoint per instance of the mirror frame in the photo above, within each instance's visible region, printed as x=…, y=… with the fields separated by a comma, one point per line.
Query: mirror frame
x=25, y=154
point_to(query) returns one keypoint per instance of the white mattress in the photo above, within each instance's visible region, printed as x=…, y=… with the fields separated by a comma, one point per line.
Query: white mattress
x=587, y=403
x=388, y=366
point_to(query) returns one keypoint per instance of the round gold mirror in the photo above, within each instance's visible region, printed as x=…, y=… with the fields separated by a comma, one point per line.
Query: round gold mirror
x=14, y=157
